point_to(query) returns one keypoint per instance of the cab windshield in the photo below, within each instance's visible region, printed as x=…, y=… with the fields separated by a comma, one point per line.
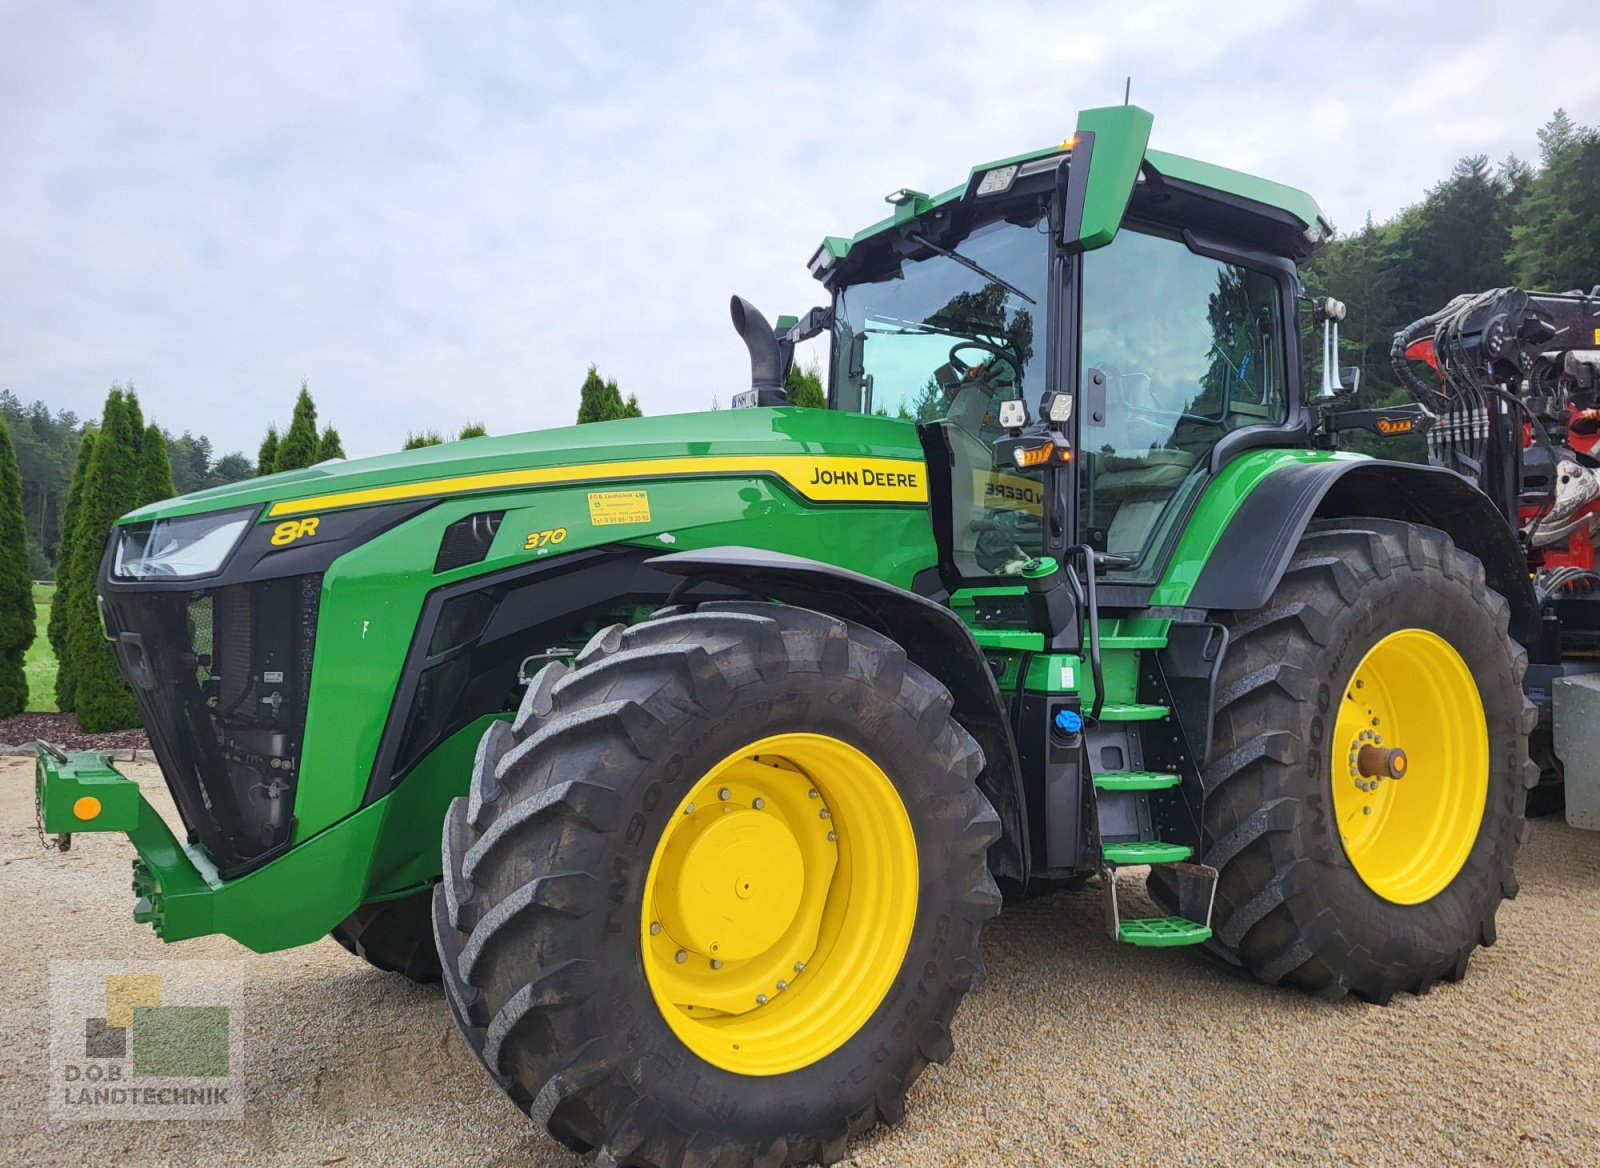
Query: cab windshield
x=934, y=341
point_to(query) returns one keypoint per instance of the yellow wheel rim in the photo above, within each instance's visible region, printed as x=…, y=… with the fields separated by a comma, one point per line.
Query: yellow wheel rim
x=1410, y=766
x=779, y=904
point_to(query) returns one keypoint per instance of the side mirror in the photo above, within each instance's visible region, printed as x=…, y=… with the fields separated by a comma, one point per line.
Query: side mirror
x=1350, y=377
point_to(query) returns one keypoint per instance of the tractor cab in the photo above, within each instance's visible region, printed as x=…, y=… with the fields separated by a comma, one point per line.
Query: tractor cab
x=1157, y=294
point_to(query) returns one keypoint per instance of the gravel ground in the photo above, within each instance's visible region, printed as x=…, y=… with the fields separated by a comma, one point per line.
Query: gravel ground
x=1080, y=1051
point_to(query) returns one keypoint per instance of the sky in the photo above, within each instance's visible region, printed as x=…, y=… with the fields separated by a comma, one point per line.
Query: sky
x=446, y=213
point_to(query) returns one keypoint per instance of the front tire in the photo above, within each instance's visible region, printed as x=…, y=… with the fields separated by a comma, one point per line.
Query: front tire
x=1336, y=876
x=395, y=936
x=716, y=800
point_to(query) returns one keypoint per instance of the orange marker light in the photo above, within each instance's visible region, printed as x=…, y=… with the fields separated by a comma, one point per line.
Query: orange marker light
x=86, y=808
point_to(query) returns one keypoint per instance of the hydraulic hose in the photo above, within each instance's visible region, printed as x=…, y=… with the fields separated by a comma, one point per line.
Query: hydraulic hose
x=1403, y=340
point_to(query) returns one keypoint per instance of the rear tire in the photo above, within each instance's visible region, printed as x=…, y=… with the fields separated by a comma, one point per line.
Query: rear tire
x=549, y=950
x=1285, y=807
x=395, y=936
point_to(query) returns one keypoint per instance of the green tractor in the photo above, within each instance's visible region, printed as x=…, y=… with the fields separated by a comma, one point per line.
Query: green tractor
x=736, y=726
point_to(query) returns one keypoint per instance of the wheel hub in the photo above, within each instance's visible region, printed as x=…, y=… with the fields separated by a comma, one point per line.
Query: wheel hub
x=1371, y=762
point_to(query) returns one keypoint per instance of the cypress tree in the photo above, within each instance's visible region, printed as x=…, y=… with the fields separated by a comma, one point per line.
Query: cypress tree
x=16, y=584
x=66, y=679
x=268, y=454
x=102, y=701
x=299, y=446
x=599, y=400
x=805, y=386
x=155, y=468
x=330, y=446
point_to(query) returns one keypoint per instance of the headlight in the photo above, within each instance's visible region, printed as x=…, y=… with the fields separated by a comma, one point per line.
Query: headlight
x=176, y=549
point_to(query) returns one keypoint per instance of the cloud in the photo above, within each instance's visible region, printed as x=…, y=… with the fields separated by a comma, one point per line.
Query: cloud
x=443, y=214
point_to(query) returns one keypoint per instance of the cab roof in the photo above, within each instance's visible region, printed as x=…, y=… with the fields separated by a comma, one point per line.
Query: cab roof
x=1279, y=218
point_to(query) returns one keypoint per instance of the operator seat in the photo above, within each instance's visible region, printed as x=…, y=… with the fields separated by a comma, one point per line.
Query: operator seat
x=1137, y=477
x=1134, y=492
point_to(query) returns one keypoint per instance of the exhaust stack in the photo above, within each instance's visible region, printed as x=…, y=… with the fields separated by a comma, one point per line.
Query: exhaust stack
x=766, y=366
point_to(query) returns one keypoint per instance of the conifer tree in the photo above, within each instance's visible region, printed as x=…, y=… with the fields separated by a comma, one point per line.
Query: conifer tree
x=330, y=446
x=102, y=701
x=805, y=386
x=155, y=468
x=16, y=584
x=66, y=678
x=268, y=454
x=299, y=445
x=599, y=400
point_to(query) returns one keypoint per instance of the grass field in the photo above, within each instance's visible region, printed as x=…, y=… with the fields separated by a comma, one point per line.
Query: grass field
x=40, y=662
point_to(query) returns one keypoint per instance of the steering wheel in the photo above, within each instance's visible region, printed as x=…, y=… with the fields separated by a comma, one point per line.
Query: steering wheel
x=985, y=371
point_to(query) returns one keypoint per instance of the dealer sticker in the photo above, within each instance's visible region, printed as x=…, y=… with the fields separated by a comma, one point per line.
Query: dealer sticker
x=611, y=507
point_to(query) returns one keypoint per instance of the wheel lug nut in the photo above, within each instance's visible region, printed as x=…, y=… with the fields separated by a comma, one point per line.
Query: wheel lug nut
x=724, y=794
x=681, y=956
x=715, y=964
x=759, y=804
x=782, y=985
x=761, y=999
x=832, y=837
x=823, y=814
x=689, y=810
x=655, y=928
x=799, y=966
x=811, y=794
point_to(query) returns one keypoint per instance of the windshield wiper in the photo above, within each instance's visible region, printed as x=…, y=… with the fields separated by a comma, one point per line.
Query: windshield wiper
x=970, y=266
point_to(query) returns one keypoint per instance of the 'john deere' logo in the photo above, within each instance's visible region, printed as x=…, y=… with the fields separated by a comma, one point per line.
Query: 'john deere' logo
x=1394, y=425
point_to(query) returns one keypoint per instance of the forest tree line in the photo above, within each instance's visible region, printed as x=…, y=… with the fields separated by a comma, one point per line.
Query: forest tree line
x=1514, y=224
x=46, y=445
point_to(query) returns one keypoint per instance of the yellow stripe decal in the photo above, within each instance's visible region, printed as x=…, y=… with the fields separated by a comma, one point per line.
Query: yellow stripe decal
x=830, y=479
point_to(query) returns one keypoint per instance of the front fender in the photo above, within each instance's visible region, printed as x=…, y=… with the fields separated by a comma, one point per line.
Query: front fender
x=933, y=637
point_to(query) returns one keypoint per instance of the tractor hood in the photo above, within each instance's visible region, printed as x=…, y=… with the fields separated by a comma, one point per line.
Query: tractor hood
x=518, y=460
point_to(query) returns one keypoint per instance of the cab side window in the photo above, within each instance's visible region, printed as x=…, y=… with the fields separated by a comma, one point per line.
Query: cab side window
x=1191, y=348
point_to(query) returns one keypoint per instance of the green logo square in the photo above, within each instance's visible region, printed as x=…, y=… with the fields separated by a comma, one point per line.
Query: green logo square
x=180, y=1040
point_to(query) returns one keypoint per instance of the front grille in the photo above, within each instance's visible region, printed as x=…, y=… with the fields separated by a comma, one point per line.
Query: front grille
x=222, y=677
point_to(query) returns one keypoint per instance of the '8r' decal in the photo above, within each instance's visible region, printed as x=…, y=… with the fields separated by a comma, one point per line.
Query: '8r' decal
x=292, y=529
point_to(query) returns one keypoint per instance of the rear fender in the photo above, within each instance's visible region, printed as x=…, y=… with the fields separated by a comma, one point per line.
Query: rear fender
x=1254, y=550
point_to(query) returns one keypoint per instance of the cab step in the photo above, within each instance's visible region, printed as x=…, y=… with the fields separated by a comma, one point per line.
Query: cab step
x=1136, y=781
x=1197, y=892
x=1133, y=712
x=1133, y=641
x=1162, y=932
x=1145, y=852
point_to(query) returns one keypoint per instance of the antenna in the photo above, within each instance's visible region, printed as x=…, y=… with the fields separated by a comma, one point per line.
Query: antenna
x=1127, y=89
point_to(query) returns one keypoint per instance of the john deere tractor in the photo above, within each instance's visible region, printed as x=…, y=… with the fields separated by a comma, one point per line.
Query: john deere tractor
x=693, y=752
